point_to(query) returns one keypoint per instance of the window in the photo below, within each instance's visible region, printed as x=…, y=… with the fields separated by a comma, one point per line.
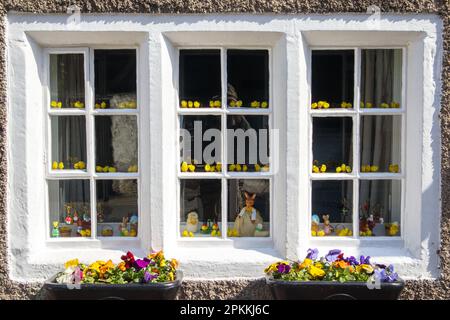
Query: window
x=224, y=118
x=357, y=116
x=92, y=176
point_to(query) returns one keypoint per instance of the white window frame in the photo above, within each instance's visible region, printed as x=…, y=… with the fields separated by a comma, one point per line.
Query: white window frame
x=90, y=174
x=224, y=111
x=356, y=176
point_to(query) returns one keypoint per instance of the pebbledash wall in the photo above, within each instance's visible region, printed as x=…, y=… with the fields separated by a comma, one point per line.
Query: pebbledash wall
x=15, y=264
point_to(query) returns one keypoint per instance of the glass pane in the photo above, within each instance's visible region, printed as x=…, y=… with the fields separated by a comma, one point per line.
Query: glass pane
x=201, y=208
x=117, y=208
x=69, y=204
x=116, y=147
x=381, y=78
x=379, y=207
x=332, y=144
x=248, y=143
x=332, y=208
x=332, y=79
x=200, y=79
x=115, y=79
x=67, y=80
x=380, y=143
x=68, y=142
x=248, y=78
x=248, y=208
x=200, y=143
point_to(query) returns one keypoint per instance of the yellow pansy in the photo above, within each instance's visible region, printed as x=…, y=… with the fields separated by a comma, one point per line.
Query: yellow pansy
x=316, y=272
x=367, y=268
x=306, y=263
x=71, y=263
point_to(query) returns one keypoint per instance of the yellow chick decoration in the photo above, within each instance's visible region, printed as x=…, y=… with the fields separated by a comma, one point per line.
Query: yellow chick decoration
x=217, y=104
x=196, y=104
x=231, y=167
x=238, y=167
x=323, y=168
x=239, y=103
x=98, y=168
x=61, y=165
x=211, y=103
x=394, y=168
x=320, y=233
x=392, y=229
x=315, y=169
x=345, y=232
x=105, y=168
x=255, y=104
x=257, y=167
x=190, y=104
x=54, y=165
x=218, y=166
x=112, y=169
x=264, y=104
x=207, y=168
x=348, y=169
x=244, y=167
x=232, y=103
x=183, y=104
x=314, y=105
x=313, y=233
x=133, y=168
x=184, y=166
x=191, y=167
x=395, y=104
x=384, y=105
x=78, y=105
x=373, y=168
x=346, y=105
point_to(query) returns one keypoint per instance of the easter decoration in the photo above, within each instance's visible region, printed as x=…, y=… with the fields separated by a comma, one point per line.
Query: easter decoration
x=192, y=222
x=248, y=218
x=327, y=227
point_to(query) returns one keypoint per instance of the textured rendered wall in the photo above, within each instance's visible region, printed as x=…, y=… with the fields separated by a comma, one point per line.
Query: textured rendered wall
x=439, y=289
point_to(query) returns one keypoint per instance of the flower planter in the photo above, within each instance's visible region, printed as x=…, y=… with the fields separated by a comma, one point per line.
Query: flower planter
x=99, y=291
x=333, y=290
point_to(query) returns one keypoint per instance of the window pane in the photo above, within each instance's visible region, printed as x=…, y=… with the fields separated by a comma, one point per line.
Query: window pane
x=67, y=81
x=201, y=208
x=380, y=207
x=200, y=79
x=380, y=143
x=248, y=208
x=116, y=144
x=248, y=143
x=69, y=204
x=200, y=143
x=381, y=78
x=332, y=78
x=248, y=78
x=68, y=142
x=117, y=208
x=332, y=208
x=115, y=79
x=332, y=144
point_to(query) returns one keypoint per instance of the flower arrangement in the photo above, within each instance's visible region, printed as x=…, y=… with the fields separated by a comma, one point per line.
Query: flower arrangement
x=153, y=268
x=333, y=267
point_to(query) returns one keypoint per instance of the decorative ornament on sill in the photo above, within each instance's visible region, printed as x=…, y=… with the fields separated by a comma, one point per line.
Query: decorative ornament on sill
x=192, y=222
x=248, y=218
x=55, y=229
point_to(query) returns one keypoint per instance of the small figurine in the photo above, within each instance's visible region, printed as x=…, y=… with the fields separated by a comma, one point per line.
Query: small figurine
x=100, y=214
x=124, y=227
x=315, y=220
x=327, y=227
x=192, y=222
x=86, y=215
x=55, y=230
x=68, y=218
x=248, y=218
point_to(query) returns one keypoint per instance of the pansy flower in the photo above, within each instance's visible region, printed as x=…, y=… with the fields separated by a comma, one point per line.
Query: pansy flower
x=364, y=260
x=149, y=277
x=141, y=263
x=312, y=254
x=283, y=268
x=333, y=255
x=129, y=260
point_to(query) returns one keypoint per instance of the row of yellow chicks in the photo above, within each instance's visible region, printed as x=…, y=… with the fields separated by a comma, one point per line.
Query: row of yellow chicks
x=346, y=232
x=131, y=104
x=85, y=232
x=258, y=104
x=197, y=104
x=185, y=167
x=101, y=105
x=320, y=105
x=213, y=168
x=369, y=168
x=58, y=104
x=105, y=169
x=238, y=167
x=214, y=233
x=60, y=165
x=323, y=168
x=393, y=104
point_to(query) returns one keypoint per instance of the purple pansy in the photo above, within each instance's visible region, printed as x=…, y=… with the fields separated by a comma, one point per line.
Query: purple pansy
x=284, y=268
x=333, y=255
x=352, y=261
x=386, y=275
x=312, y=254
x=149, y=277
x=141, y=263
x=364, y=260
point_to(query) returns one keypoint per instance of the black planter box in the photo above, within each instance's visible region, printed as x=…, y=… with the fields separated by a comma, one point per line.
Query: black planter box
x=330, y=290
x=98, y=291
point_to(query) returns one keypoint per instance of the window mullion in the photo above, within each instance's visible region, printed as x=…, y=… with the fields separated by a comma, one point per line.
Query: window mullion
x=224, y=77
x=356, y=141
x=90, y=140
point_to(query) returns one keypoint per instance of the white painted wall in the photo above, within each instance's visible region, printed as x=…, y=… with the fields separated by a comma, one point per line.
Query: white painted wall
x=32, y=258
